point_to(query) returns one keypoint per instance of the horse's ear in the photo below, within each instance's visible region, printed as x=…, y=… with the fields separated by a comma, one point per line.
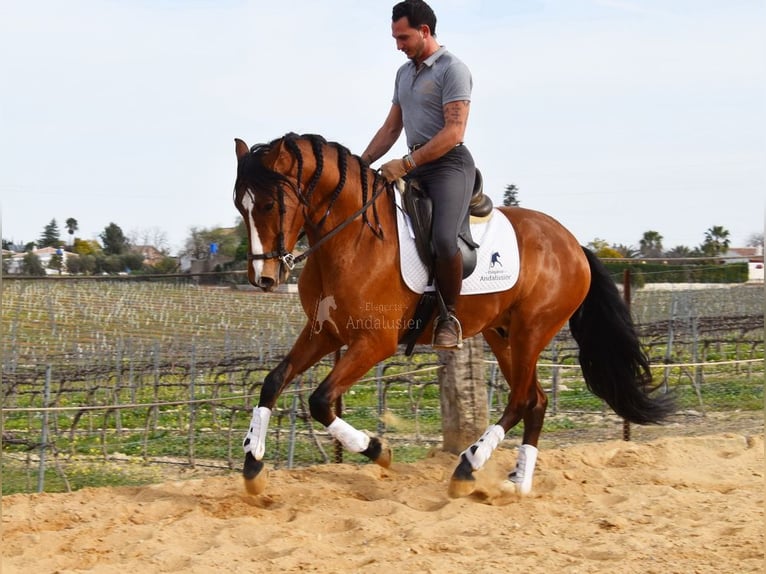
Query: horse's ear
x=241, y=148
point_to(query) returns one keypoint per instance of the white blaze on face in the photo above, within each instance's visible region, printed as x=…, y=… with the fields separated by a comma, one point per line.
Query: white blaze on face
x=248, y=201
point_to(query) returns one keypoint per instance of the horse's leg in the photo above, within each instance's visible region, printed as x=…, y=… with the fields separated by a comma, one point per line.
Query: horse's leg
x=308, y=349
x=360, y=357
x=516, y=355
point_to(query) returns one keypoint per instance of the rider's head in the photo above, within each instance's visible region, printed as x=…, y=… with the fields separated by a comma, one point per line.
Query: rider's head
x=417, y=12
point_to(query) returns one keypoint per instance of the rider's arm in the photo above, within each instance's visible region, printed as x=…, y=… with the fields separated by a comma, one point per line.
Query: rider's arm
x=386, y=136
x=455, y=122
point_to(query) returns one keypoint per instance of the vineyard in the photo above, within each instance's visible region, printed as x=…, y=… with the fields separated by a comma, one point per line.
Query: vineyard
x=150, y=374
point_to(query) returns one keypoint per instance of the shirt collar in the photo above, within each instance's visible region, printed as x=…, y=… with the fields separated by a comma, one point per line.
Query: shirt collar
x=430, y=60
x=435, y=56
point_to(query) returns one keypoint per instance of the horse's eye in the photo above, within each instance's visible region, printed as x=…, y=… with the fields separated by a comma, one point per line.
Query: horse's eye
x=266, y=207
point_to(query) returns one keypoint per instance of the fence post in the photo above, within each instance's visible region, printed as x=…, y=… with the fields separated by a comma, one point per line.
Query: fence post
x=338, y=413
x=626, y=296
x=192, y=406
x=44, y=433
x=380, y=387
x=555, y=376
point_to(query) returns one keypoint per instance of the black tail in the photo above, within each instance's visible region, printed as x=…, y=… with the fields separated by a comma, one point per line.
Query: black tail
x=614, y=366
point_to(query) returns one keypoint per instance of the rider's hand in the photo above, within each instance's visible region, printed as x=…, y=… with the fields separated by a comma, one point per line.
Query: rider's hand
x=393, y=170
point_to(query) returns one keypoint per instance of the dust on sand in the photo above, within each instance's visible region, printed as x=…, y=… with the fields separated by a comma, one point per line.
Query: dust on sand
x=670, y=505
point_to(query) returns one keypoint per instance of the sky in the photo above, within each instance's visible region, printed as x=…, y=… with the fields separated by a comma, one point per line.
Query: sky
x=615, y=117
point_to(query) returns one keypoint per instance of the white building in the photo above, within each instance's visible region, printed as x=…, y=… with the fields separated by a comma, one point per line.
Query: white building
x=44, y=254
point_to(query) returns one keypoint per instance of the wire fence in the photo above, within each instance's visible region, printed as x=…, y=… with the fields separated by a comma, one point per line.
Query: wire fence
x=168, y=373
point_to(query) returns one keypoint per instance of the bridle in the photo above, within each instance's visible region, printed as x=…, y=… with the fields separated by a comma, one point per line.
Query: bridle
x=286, y=258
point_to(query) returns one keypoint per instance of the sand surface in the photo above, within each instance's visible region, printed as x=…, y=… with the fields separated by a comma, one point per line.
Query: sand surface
x=670, y=505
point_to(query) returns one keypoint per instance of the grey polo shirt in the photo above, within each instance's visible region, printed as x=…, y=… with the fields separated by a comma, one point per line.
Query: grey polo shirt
x=423, y=93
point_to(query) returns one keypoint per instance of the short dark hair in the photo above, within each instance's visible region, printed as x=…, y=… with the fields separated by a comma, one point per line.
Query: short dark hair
x=417, y=13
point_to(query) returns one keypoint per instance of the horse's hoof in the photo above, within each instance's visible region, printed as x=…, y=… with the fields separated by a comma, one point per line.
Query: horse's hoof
x=386, y=457
x=510, y=488
x=519, y=489
x=462, y=482
x=378, y=453
x=254, y=474
x=461, y=488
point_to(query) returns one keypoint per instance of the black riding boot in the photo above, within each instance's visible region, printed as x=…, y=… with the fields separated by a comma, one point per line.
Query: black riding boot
x=448, y=334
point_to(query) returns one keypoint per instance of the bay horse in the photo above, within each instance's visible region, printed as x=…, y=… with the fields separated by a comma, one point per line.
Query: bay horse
x=304, y=184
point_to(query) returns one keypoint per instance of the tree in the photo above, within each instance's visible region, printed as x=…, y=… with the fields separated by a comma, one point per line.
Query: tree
x=678, y=252
x=755, y=240
x=627, y=251
x=71, y=226
x=56, y=262
x=50, y=236
x=86, y=247
x=82, y=264
x=109, y=264
x=166, y=265
x=609, y=252
x=152, y=236
x=114, y=240
x=226, y=239
x=603, y=250
x=716, y=241
x=651, y=244
x=597, y=244
x=31, y=265
x=132, y=261
x=511, y=195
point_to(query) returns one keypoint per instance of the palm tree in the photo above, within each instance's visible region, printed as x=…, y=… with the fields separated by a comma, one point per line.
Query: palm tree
x=678, y=252
x=651, y=244
x=627, y=251
x=71, y=226
x=716, y=241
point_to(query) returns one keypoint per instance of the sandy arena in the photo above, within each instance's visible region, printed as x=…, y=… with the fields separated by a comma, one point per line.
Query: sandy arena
x=673, y=505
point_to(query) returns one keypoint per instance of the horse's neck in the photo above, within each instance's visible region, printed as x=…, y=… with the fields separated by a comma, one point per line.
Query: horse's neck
x=328, y=213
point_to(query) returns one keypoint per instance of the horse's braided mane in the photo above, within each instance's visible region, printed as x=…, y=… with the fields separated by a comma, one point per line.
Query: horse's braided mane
x=252, y=168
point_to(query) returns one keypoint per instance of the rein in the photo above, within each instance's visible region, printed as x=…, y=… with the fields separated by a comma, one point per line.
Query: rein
x=288, y=259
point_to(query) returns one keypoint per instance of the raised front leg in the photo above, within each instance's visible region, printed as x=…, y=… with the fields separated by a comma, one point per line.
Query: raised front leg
x=361, y=356
x=309, y=348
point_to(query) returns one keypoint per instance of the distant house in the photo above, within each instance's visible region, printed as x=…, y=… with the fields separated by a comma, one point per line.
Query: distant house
x=753, y=256
x=150, y=253
x=44, y=254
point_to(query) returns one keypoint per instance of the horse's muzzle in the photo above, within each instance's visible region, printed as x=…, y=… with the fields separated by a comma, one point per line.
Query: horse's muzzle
x=271, y=275
x=266, y=283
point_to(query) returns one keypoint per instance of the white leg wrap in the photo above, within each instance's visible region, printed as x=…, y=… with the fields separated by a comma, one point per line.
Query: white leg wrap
x=480, y=451
x=352, y=439
x=255, y=439
x=525, y=469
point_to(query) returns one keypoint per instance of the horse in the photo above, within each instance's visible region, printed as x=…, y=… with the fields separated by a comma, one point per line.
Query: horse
x=304, y=184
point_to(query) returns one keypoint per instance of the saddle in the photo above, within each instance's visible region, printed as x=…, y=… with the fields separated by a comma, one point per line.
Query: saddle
x=419, y=207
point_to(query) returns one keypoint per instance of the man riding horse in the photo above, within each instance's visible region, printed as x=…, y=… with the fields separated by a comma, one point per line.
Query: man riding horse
x=432, y=95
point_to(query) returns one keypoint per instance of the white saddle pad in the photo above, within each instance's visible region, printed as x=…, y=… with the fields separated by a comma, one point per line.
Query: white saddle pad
x=497, y=261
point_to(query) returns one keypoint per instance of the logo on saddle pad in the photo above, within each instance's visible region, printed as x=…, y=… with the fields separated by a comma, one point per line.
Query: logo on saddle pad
x=495, y=271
